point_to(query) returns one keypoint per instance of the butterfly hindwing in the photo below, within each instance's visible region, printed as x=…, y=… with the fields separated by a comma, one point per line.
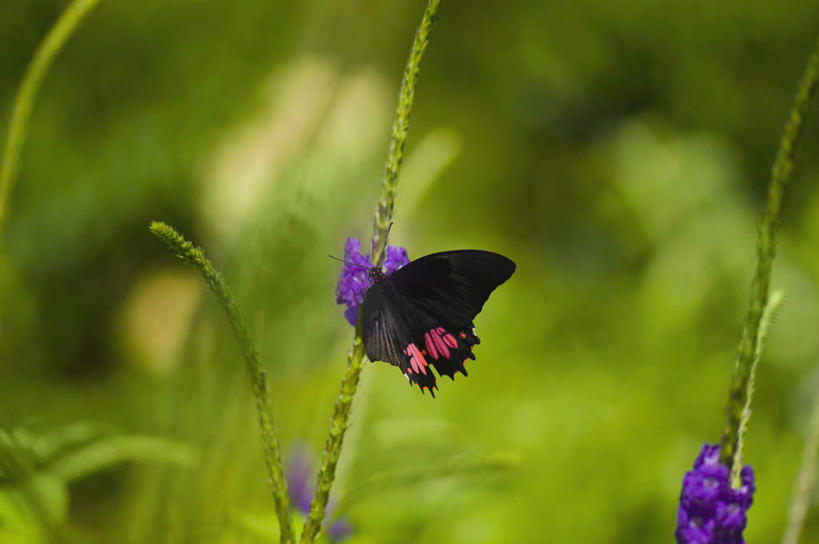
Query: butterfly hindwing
x=448, y=350
x=386, y=328
x=422, y=314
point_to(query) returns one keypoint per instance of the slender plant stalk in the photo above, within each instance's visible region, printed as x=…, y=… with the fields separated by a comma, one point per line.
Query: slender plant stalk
x=804, y=480
x=766, y=250
x=27, y=93
x=339, y=421
x=389, y=179
x=774, y=302
x=195, y=257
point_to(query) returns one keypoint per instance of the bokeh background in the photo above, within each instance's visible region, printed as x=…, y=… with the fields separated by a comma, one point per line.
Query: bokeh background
x=618, y=151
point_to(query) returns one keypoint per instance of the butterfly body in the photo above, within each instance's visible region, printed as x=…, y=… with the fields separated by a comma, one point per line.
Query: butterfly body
x=422, y=315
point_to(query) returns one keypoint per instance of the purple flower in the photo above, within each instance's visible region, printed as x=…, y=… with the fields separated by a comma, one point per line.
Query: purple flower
x=353, y=281
x=298, y=478
x=300, y=488
x=340, y=530
x=711, y=511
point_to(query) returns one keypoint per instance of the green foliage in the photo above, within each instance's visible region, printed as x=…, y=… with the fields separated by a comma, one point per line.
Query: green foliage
x=37, y=466
x=616, y=150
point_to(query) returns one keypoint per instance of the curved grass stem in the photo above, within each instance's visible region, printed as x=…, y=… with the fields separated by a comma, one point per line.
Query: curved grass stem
x=766, y=250
x=340, y=419
x=195, y=257
x=27, y=93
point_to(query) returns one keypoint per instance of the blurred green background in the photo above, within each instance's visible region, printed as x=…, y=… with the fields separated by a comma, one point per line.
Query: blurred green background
x=618, y=151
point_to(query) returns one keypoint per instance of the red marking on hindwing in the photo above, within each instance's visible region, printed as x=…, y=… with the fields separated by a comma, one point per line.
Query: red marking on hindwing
x=430, y=343
x=417, y=362
x=439, y=342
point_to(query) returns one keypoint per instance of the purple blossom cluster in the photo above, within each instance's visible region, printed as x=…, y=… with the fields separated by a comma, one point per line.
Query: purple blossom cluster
x=711, y=511
x=353, y=281
x=301, y=492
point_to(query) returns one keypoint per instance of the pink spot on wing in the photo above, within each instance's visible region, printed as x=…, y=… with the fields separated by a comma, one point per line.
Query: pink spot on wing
x=447, y=338
x=439, y=343
x=417, y=361
x=430, y=345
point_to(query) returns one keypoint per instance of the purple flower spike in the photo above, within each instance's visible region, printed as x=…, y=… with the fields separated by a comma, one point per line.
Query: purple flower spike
x=340, y=530
x=396, y=258
x=711, y=511
x=354, y=281
x=298, y=478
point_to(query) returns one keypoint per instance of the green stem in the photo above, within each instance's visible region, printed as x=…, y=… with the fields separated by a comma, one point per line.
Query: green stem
x=805, y=479
x=195, y=257
x=27, y=93
x=774, y=301
x=389, y=179
x=766, y=249
x=339, y=421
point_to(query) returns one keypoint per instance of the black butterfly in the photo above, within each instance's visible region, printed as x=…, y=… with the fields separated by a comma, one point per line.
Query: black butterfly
x=422, y=314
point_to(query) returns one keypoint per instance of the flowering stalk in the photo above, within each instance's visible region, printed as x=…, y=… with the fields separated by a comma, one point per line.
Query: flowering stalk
x=711, y=510
x=766, y=249
x=32, y=80
x=804, y=480
x=332, y=448
x=195, y=257
x=389, y=179
x=339, y=420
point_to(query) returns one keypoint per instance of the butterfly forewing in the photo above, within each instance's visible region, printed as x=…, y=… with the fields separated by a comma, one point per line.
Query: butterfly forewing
x=384, y=327
x=453, y=286
x=422, y=314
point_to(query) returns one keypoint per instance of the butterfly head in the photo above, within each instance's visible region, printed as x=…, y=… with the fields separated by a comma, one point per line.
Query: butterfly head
x=375, y=274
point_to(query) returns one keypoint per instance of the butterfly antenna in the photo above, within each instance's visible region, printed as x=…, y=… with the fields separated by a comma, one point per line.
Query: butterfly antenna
x=349, y=263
